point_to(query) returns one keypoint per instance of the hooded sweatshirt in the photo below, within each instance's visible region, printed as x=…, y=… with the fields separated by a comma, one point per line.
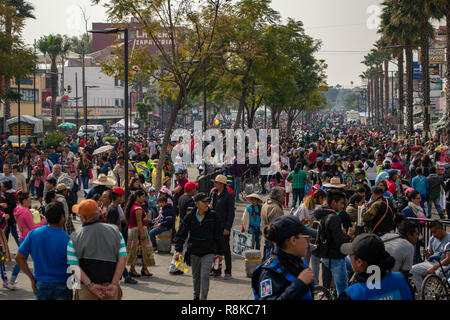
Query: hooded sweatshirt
x=24, y=220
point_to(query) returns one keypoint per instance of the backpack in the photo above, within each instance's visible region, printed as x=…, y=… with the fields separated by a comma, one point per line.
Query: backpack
x=321, y=242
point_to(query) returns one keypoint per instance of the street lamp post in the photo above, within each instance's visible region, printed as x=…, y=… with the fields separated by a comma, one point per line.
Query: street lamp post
x=125, y=31
x=18, y=112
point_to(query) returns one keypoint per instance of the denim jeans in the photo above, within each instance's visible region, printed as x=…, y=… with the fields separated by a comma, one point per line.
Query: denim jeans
x=16, y=269
x=154, y=232
x=13, y=231
x=85, y=181
x=436, y=205
x=256, y=239
x=237, y=188
x=53, y=291
x=422, y=203
x=268, y=247
x=297, y=194
x=338, y=269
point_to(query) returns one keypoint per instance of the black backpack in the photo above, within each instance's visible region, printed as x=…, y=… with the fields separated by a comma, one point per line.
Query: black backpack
x=322, y=239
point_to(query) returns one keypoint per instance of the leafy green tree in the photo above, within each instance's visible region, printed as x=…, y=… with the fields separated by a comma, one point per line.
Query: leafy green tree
x=194, y=41
x=15, y=60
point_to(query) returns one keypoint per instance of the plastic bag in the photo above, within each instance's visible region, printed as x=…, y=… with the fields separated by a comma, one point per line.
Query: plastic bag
x=177, y=266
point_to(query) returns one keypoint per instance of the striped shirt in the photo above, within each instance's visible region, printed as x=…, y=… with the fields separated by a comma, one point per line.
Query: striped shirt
x=72, y=258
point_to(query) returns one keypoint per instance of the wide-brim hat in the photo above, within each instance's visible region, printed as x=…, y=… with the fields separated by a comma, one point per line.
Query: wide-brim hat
x=221, y=179
x=335, y=182
x=254, y=196
x=104, y=180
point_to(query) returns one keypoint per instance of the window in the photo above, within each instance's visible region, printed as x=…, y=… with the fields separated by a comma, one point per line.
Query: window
x=118, y=102
x=118, y=83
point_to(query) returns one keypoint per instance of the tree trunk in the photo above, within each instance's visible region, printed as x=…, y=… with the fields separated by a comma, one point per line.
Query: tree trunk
x=54, y=84
x=425, y=77
x=382, y=115
x=448, y=74
x=386, y=90
x=180, y=103
x=243, y=99
x=401, y=97
x=409, y=96
x=377, y=99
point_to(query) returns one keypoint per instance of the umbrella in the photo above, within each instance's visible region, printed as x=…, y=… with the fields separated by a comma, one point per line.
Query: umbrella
x=102, y=149
x=67, y=125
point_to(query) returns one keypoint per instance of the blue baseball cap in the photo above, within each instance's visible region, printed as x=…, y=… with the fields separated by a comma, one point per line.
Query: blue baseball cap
x=288, y=226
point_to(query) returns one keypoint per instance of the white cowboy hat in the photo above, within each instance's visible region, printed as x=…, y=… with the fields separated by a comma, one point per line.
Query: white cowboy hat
x=104, y=180
x=335, y=182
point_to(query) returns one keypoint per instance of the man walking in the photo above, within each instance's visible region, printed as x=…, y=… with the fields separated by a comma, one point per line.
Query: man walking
x=97, y=252
x=205, y=243
x=48, y=248
x=223, y=203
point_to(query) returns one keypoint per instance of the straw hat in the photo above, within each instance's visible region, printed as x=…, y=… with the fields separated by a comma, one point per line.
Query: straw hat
x=335, y=182
x=221, y=179
x=254, y=196
x=104, y=180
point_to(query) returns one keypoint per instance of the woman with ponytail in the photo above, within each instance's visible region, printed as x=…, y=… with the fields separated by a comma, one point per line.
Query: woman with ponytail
x=138, y=237
x=24, y=220
x=372, y=265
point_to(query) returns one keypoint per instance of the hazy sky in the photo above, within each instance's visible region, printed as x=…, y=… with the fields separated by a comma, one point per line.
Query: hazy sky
x=342, y=25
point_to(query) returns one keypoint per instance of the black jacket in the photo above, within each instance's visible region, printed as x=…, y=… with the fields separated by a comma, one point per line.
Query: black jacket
x=281, y=288
x=223, y=204
x=204, y=237
x=336, y=237
x=184, y=202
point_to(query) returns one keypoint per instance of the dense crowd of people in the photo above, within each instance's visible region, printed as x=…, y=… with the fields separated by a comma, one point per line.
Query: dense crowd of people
x=359, y=198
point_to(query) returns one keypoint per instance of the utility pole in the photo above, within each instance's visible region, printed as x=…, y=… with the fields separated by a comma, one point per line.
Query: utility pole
x=76, y=99
x=34, y=82
x=18, y=111
x=204, y=96
x=83, y=80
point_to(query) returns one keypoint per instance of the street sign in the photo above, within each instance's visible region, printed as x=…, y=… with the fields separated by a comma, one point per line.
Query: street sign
x=417, y=73
x=437, y=55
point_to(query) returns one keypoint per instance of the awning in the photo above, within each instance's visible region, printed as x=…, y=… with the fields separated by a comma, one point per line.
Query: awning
x=440, y=124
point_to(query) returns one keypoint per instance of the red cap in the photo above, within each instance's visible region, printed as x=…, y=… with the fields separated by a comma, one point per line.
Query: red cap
x=190, y=186
x=119, y=191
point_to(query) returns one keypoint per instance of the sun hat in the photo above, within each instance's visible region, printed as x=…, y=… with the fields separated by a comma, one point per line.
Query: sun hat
x=335, y=182
x=221, y=179
x=254, y=196
x=104, y=180
x=88, y=209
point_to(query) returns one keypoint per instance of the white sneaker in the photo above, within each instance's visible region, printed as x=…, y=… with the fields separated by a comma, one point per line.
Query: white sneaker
x=11, y=286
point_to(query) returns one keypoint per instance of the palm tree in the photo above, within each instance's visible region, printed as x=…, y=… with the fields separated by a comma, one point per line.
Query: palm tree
x=404, y=33
x=24, y=10
x=393, y=35
x=420, y=12
x=54, y=47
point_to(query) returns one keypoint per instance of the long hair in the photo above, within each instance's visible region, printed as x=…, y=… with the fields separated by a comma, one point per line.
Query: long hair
x=131, y=201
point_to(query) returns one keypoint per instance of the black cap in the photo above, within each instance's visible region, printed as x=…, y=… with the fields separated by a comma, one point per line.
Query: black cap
x=367, y=246
x=288, y=226
x=201, y=197
x=377, y=190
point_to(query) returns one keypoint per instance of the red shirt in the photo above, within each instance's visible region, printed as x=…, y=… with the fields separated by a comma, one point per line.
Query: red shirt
x=133, y=220
x=313, y=156
x=392, y=188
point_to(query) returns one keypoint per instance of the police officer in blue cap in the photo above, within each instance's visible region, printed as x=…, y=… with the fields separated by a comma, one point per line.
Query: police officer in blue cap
x=372, y=265
x=284, y=276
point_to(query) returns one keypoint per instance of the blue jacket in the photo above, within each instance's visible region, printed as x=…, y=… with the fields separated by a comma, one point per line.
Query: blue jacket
x=420, y=183
x=167, y=216
x=277, y=279
x=408, y=213
x=392, y=287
